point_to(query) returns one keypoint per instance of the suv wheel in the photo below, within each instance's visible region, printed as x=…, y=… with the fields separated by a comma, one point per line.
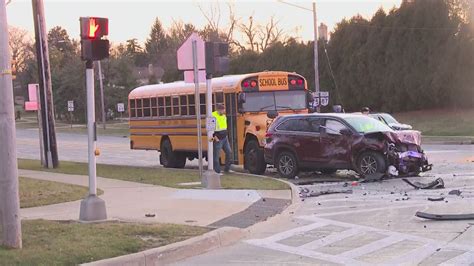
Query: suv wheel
x=370, y=163
x=286, y=165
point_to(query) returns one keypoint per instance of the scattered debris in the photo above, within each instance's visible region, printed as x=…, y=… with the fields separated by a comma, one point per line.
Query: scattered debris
x=305, y=193
x=150, y=215
x=438, y=183
x=374, y=177
x=392, y=170
x=436, y=199
x=456, y=192
x=445, y=217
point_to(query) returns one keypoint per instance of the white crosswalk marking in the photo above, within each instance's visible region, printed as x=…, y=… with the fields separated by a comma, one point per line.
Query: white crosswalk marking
x=425, y=246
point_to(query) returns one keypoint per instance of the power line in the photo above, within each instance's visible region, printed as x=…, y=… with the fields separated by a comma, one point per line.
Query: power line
x=297, y=6
x=332, y=74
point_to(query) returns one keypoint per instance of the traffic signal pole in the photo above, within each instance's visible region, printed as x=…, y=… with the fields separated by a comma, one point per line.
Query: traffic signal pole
x=9, y=198
x=92, y=207
x=212, y=180
x=93, y=48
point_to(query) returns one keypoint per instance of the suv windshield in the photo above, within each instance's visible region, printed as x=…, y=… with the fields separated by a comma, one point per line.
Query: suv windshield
x=389, y=119
x=366, y=124
x=265, y=101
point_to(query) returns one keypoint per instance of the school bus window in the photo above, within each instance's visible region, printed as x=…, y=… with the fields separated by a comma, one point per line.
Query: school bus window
x=219, y=97
x=154, y=111
x=133, y=113
x=202, y=98
x=161, y=106
x=168, y=106
x=175, y=105
x=132, y=103
x=184, y=104
x=146, y=107
x=192, y=108
x=139, y=108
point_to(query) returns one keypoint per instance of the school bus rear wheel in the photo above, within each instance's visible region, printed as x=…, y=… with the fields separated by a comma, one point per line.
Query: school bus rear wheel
x=170, y=158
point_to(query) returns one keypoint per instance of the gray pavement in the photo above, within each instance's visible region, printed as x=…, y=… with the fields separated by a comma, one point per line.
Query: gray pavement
x=373, y=226
x=129, y=201
x=376, y=225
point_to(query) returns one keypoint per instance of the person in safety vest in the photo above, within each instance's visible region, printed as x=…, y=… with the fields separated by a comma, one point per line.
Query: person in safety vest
x=220, y=139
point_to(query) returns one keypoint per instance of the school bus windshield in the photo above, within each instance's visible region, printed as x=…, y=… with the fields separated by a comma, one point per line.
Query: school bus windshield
x=276, y=100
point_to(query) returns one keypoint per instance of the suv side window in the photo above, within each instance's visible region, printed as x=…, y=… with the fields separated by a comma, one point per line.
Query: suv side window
x=300, y=125
x=315, y=124
x=333, y=127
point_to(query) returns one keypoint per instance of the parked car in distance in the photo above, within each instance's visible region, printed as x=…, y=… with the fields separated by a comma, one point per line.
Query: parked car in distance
x=333, y=141
x=390, y=121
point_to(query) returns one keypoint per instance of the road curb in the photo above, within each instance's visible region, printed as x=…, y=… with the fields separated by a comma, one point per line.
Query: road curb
x=220, y=237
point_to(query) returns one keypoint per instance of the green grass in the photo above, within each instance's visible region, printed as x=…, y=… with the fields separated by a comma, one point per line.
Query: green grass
x=34, y=192
x=157, y=176
x=71, y=243
x=113, y=128
x=440, y=122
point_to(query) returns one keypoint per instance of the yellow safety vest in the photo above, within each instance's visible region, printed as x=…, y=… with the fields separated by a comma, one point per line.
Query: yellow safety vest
x=221, y=121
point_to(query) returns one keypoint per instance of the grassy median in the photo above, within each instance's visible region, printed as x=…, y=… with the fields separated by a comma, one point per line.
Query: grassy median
x=157, y=176
x=71, y=243
x=34, y=192
x=442, y=122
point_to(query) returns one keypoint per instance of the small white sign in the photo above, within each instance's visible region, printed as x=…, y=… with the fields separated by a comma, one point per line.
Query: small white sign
x=324, y=101
x=120, y=107
x=70, y=106
x=211, y=124
x=316, y=102
x=324, y=93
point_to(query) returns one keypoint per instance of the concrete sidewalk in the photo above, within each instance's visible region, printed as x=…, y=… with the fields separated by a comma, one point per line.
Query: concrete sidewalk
x=129, y=201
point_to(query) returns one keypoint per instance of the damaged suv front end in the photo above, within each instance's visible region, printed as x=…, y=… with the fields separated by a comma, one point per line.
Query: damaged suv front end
x=401, y=149
x=404, y=152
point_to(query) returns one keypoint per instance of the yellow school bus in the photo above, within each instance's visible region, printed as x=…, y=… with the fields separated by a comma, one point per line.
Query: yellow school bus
x=163, y=117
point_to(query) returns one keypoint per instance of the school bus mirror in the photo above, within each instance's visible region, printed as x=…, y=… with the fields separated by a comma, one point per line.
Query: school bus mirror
x=272, y=114
x=242, y=98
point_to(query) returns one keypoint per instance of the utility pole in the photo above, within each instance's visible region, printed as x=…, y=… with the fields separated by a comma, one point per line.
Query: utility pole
x=46, y=93
x=9, y=198
x=316, y=65
x=102, y=105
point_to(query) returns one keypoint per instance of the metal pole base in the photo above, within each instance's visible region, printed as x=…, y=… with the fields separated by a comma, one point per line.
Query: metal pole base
x=211, y=180
x=92, y=209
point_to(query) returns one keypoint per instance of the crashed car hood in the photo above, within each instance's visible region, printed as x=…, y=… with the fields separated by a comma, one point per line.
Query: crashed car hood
x=406, y=136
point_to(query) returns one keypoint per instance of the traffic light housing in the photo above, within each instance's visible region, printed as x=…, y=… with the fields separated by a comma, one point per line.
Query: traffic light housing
x=93, y=45
x=217, y=58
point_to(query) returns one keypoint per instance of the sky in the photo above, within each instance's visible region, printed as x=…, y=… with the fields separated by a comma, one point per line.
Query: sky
x=130, y=19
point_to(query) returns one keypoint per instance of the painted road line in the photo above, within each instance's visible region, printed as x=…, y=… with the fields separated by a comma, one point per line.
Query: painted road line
x=332, y=238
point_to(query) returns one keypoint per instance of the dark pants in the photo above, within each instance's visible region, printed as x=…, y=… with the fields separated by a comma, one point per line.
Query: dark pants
x=218, y=145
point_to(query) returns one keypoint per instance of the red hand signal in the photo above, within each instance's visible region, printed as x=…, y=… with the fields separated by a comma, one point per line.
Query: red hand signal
x=92, y=28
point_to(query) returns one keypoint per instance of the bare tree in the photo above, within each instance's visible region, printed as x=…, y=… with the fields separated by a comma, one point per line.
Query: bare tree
x=270, y=34
x=250, y=32
x=21, y=47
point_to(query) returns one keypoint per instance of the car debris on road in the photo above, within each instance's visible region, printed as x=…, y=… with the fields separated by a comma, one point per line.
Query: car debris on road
x=445, y=217
x=306, y=193
x=436, y=184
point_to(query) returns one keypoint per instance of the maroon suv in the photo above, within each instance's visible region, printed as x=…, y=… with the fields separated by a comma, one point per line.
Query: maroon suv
x=329, y=142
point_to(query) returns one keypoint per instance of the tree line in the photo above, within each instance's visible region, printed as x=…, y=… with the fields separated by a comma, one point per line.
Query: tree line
x=417, y=56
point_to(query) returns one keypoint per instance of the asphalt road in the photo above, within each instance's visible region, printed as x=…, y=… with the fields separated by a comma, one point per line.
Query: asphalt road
x=372, y=226
x=116, y=150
